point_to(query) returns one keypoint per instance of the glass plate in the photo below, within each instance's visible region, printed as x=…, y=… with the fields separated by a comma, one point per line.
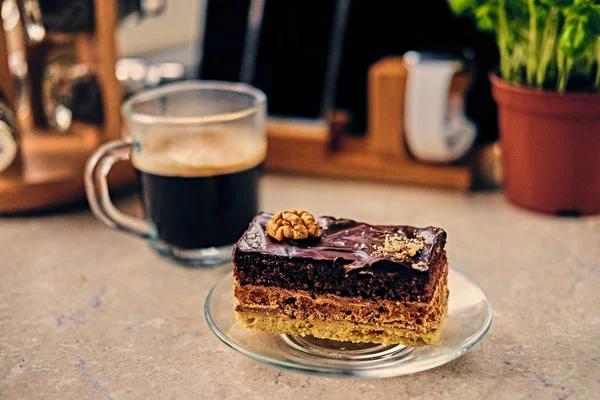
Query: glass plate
x=469, y=318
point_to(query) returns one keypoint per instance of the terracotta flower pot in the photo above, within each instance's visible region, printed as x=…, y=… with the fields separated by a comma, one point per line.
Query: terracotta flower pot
x=550, y=148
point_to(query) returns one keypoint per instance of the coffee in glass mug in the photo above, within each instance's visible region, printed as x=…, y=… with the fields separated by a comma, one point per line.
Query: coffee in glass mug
x=198, y=149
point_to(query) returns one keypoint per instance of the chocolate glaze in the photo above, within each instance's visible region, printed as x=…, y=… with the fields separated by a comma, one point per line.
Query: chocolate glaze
x=337, y=244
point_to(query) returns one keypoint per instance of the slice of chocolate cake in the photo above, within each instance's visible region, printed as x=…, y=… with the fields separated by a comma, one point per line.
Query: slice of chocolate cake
x=340, y=279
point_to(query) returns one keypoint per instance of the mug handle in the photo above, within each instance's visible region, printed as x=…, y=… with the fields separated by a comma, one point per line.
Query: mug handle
x=96, y=188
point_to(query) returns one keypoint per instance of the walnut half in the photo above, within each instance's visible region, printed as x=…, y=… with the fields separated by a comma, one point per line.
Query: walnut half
x=293, y=224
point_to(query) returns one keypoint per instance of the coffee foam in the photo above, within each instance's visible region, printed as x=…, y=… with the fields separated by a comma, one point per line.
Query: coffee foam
x=203, y=154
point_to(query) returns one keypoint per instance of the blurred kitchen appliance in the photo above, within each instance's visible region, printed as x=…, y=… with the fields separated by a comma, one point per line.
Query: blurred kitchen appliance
x=57, y=70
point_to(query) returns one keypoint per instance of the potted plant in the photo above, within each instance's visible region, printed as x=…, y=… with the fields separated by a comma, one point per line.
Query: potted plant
x=548, y=94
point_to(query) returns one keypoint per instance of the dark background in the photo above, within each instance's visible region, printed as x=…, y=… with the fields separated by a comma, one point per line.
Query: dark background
x=294, y=44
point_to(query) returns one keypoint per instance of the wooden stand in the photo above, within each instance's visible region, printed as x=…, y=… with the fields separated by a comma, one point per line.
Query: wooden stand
x=380, y=155
x=52, y=164
x=52, y=171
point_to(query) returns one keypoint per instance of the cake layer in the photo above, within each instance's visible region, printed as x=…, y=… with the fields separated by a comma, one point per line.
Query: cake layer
x=350, y=259
x=298, y=304
x=337, y=330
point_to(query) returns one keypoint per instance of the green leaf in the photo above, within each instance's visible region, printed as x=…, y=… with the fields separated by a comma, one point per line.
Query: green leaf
x=541, y=14
x=517, y=9
x=576, y=38
x=503, y=39
x=461, y=7
x=548, y=44
x=597, y=53
x=532, y=45
x=543, y=43
x=486, y=24
x=583, y=11
x=558, y=3
x=594, y=20
x=486, y=18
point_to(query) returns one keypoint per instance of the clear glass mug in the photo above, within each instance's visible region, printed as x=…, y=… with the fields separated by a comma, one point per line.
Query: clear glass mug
x=198, y=149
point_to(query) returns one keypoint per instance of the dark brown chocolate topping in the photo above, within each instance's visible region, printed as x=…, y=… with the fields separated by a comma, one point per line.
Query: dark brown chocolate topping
x=345, y=241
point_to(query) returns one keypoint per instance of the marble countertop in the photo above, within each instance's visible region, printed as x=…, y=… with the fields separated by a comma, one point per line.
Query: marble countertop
x=87, y=312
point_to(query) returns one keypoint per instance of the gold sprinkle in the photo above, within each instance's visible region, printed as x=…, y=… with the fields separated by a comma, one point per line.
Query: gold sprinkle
x=362, y=233
x=401, y=246
x=363, y=246
x=255, y=245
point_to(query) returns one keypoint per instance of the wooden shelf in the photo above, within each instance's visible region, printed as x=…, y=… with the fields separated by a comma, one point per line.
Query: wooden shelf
x=381, y=155
x=305, y=149
x=51, y=172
